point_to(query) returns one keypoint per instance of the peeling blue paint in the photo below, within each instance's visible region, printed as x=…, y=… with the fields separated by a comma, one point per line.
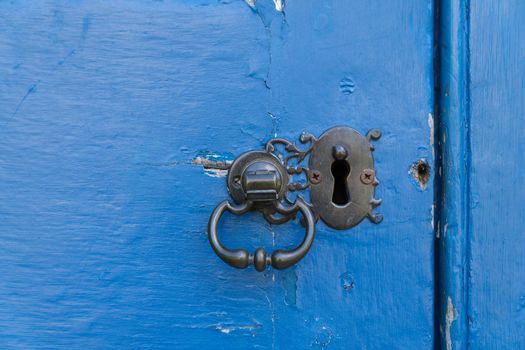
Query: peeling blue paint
x=215, y=164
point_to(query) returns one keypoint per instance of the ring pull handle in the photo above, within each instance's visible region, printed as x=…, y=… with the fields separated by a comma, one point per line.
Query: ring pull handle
x=262, y=180
x=279, y=259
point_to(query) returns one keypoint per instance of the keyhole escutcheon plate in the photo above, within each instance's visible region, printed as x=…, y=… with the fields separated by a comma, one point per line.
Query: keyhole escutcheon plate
x=345, y=195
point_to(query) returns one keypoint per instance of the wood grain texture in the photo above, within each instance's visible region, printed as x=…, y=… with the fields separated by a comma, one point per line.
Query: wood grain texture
x=496, y=249
x=103, y=107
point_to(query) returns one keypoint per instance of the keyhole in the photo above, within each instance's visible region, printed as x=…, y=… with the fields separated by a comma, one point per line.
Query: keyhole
x=340, y=171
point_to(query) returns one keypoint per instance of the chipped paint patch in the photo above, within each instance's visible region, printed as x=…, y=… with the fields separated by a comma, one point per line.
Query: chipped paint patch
x=250, y=3
x=216, y=172
x=215, y=164
x=347, y=282
x=450, y=317
x=431, y=127
x=432, y=211
x=227, y=329
x=279, y=5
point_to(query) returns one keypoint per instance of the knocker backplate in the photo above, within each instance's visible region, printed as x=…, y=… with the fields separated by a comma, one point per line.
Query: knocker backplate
x=241, y=163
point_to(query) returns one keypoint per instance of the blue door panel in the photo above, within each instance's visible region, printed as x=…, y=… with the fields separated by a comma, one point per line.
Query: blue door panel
x=107, y=111
x=496, y=308
x=481, y=89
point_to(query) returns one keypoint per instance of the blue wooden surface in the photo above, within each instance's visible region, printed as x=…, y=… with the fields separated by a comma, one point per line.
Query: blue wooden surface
x=482, y=100
x=103, y=108
x=496, y=284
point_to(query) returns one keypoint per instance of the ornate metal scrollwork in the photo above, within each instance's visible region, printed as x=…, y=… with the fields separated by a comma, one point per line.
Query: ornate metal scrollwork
x=340, y=176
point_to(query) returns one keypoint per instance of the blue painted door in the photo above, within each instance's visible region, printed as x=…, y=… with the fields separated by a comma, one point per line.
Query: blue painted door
x=482, y=100
x=108, y=112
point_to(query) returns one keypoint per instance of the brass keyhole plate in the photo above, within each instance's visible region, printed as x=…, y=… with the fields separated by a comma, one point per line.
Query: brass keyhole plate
x=343, y=158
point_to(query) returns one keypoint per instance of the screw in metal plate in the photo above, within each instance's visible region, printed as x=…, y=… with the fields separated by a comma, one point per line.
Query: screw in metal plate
x=314, y=176
x=367, y=176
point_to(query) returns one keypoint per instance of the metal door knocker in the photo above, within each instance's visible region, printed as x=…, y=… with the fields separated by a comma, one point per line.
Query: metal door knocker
x=340, y=176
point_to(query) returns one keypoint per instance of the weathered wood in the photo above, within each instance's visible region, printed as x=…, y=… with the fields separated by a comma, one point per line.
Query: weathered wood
x=103, y=108
x=453, y=186
x=496, y=257
x=482, y=99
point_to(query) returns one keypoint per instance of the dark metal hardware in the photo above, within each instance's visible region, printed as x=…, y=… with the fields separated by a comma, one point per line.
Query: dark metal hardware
x=341, y=154
x=340, y=176
x=280, y=259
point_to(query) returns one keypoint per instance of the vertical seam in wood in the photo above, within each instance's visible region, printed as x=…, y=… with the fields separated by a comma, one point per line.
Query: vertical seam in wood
x=467, y=170
x=452, y=183
x=437, y=173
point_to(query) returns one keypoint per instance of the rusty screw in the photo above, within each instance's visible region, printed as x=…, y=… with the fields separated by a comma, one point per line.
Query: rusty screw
x=314, y=176
x=367, y=176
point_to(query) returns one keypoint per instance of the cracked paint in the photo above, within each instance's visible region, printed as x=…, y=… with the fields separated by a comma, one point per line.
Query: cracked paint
x=235, y=80
x=86, y=22
x=267, y=16
x=273, y=319
x=275, y=124
x=289, y=285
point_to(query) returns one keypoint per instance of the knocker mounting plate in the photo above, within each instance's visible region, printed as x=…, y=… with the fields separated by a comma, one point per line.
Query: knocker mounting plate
x=340, y=176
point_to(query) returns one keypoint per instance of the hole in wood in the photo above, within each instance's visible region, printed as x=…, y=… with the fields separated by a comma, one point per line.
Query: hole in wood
x=420, y=170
